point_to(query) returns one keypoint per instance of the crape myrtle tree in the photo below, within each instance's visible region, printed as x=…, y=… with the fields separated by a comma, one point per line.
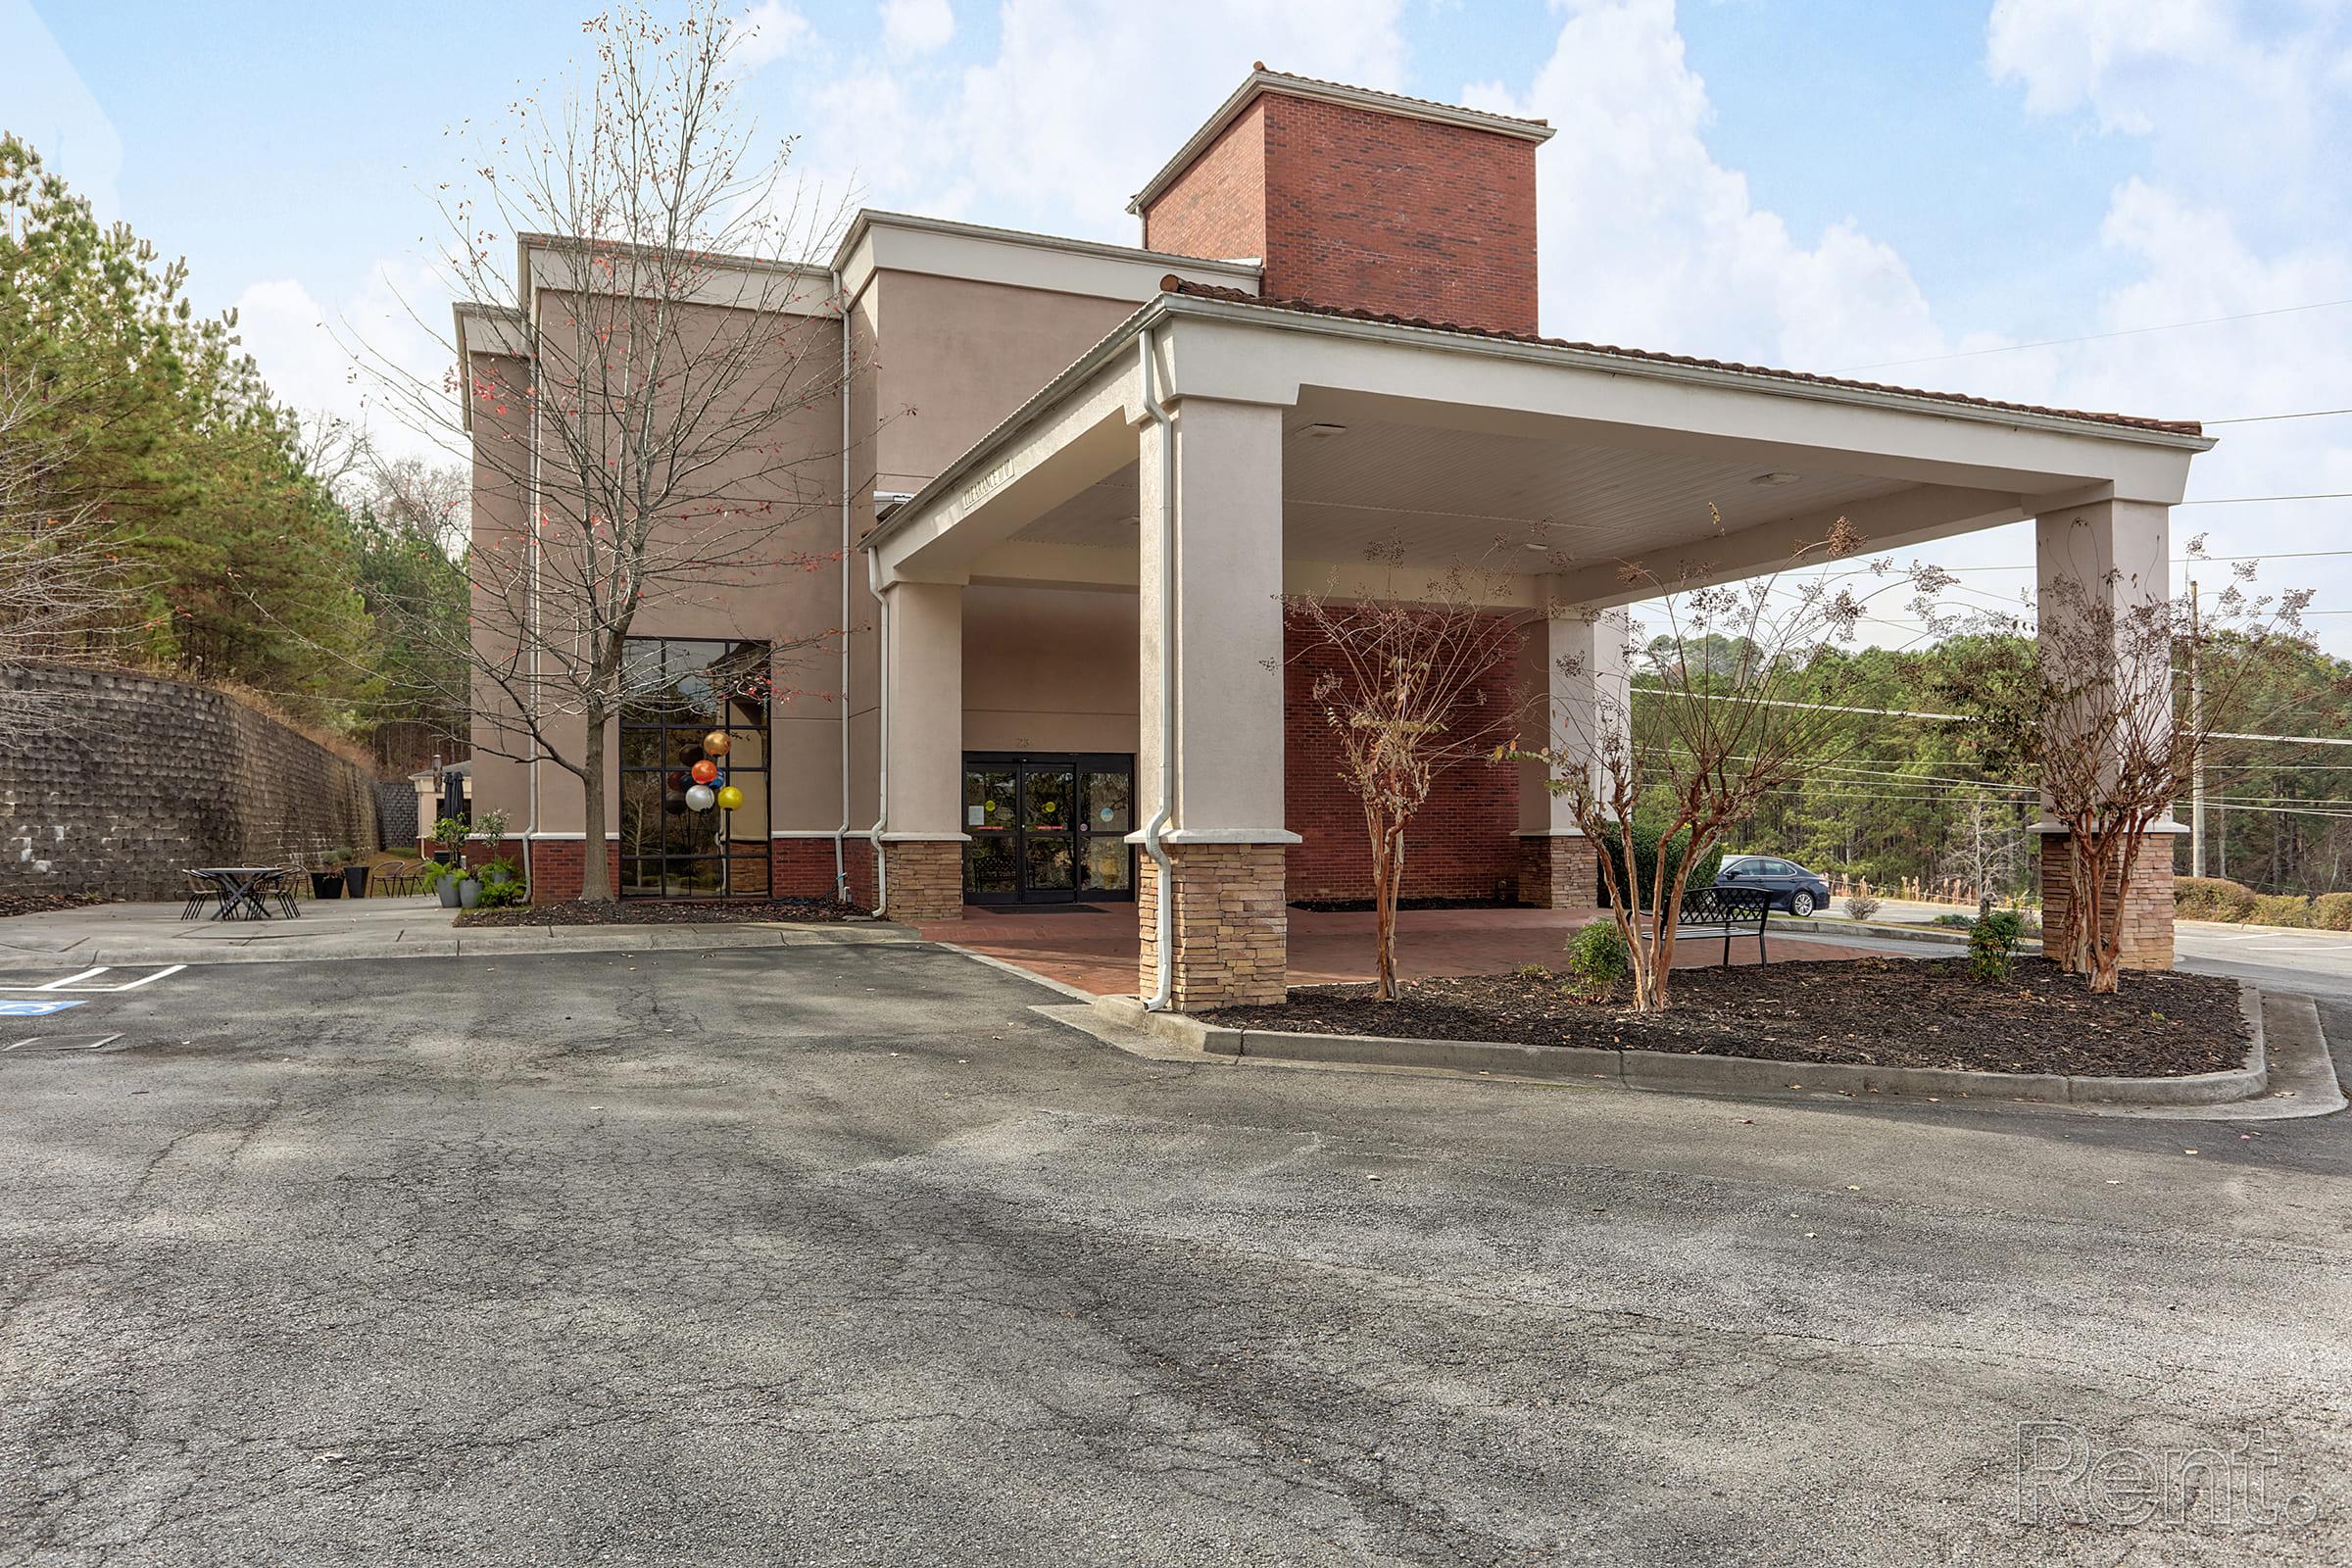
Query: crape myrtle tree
x=1401, y=668
x=2097, y=707
x=1746, y=691
x=668, y=428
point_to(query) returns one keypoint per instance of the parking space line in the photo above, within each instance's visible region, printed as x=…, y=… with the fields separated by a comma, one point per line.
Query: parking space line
x=72, y=982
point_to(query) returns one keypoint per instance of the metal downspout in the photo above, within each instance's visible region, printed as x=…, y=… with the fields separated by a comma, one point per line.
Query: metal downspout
x=873, y=567
x=841, y=875
x=530, y=826
x=1164, y=911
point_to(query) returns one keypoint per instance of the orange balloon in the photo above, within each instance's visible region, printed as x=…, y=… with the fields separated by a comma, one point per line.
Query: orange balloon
x=716, y=744
x=705, y=772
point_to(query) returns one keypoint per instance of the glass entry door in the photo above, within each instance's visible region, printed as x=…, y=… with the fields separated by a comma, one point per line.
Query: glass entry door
x=1047, y=829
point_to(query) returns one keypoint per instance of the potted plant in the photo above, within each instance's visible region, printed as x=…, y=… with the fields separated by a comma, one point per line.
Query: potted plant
x=354, y=875
x=444, y=877
x=326, y=877
x=450, y=832
x=500, y=885
x=488, y=828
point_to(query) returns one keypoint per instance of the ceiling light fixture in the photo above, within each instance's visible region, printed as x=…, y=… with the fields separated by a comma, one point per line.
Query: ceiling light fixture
x=1321, y=432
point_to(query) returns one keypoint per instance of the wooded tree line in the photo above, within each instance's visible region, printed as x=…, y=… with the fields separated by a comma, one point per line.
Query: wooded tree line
x=1918, y=798
x=177, y=515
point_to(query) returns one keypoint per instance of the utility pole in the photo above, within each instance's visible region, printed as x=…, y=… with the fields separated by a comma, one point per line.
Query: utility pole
x=2196, y=731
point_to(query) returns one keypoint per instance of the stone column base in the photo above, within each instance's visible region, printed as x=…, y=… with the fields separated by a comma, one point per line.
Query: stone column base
x=1559, y=873
x=1232, y=927
x=923, y=880
x=2147, y=912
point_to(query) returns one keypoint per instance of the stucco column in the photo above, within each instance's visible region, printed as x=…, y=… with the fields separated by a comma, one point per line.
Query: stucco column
x=922, y=832
x=1220, y=654
x=1573, y=666
x=2115, y=556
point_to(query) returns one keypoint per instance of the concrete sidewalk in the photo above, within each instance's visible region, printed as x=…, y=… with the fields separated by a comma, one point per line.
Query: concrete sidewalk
x=367, y=928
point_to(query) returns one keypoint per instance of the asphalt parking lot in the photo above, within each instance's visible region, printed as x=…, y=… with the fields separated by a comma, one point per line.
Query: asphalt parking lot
x=845, y=1255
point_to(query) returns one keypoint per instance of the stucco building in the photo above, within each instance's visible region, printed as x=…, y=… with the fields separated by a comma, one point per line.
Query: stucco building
x=1077, y=476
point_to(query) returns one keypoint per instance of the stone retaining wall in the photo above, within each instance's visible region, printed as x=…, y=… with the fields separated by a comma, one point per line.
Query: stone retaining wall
x=132, y=778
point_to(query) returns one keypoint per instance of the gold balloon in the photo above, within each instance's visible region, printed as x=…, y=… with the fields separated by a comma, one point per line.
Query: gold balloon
x=716, y=744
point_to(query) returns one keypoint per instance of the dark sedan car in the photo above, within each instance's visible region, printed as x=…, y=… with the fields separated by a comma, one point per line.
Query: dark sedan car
x=1793, y=887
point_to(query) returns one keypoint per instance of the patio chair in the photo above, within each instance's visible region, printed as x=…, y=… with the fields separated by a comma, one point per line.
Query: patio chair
x=202, y=890
x=280, y=885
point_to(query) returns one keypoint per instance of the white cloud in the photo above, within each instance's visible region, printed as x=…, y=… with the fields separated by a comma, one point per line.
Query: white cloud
x=2215, y=99
x=917, y=26
x=1079, y=104
x=299, y=345
x=767, y=32
x=1648, y=240
x=2241, y=120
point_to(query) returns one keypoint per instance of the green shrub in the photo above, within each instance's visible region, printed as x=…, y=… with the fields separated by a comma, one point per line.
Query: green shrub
x=503, y=894
x=1992, y=944
x=2209, y=898
x=2333, y=911
x=1645, y=862
x=2280, y=909
x=1596, y=955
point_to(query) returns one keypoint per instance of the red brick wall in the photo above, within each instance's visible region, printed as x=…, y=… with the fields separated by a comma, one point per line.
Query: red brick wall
x=1217, y=206
x=556, y=865
x=1367, y=209
x=1464, y=841
x=804, y=868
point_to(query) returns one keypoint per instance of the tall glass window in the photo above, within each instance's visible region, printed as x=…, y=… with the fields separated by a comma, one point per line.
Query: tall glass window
x=694, y=708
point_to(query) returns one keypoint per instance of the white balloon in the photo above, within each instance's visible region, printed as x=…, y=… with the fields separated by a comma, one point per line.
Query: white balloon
x=701, y=798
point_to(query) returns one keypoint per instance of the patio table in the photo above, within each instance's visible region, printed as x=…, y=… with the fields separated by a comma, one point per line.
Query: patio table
x=240, y=890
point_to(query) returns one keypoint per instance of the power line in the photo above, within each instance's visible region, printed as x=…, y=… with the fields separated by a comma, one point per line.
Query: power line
x=2095, y=338
x=2266, y=418
x=1960, y=719
x=2240, y=500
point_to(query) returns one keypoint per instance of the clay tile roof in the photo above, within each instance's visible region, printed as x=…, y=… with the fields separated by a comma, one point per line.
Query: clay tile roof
x=1172, y=284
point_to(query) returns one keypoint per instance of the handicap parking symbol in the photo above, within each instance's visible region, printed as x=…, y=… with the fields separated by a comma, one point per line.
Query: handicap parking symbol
x=35, y=1010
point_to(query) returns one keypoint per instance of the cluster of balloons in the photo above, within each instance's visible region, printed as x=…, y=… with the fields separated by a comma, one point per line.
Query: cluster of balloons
x=701, y=783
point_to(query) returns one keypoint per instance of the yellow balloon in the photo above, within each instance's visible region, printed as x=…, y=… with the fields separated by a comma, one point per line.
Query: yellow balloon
x=716, y=744
x=729, y=798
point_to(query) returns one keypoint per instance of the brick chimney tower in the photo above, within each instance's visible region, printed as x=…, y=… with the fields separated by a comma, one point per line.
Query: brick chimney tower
x=1360, y=199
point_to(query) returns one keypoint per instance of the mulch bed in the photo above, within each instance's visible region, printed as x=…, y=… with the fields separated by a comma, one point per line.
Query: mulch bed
x=1885, y=1012
x=46, y=903
x=663, y=911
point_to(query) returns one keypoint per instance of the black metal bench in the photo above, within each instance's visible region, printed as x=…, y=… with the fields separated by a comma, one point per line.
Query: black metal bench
x=1731, y=909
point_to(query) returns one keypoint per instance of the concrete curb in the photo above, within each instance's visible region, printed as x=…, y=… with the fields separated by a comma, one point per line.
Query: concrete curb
x=1677, y=1072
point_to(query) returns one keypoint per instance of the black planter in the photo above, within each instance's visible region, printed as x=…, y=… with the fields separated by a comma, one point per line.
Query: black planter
x=355, y=877
x=445, y=856
x=327, y=884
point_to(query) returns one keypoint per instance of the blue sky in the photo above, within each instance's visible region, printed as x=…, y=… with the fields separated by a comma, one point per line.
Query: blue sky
x=1823, y=183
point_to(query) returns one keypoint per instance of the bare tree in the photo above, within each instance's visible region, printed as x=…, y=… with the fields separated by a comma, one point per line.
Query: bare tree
x=1401, y=677
x=63, y=586
x=2103, y=725
x=665, y=415
x=1738, y=704
x=1985, y=846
